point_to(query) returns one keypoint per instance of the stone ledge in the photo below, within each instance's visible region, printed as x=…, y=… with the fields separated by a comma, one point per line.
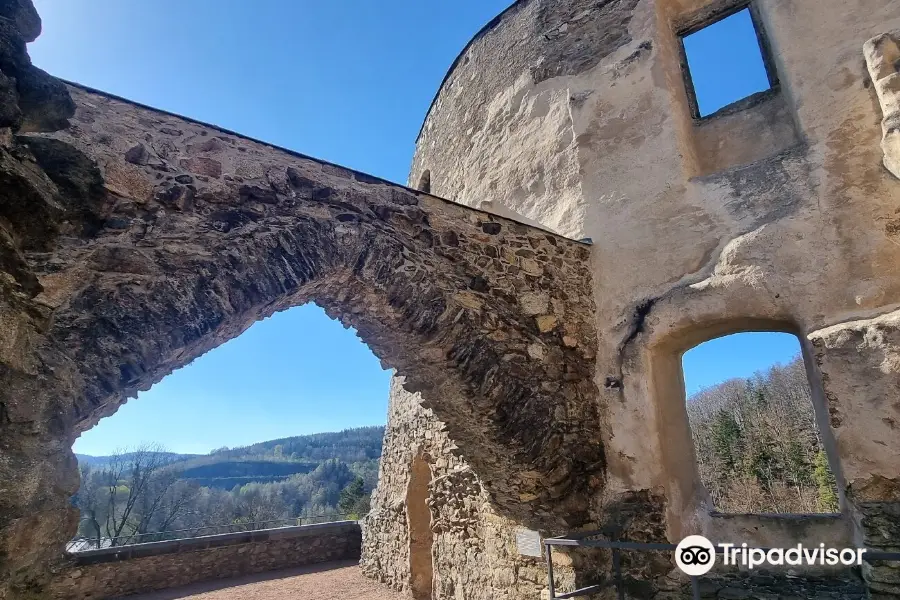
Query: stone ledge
x=117, y=572
x=120, y=553
x=780, y=530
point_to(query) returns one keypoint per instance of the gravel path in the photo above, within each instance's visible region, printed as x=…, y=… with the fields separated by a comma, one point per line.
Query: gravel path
x=331, y=581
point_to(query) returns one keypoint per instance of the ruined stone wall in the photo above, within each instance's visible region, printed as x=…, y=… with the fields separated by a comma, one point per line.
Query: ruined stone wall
x=132, y=241
x=474, y=552
x=474, y=555
x=694, y=235
x=116, y=572
x=776, y=215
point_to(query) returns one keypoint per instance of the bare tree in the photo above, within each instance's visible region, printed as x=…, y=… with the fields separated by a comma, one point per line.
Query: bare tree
x=165, y=500
x=139, y=493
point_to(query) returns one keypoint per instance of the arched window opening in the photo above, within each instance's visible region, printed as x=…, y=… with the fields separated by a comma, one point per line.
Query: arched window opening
x=425, y=182
x=754, y=428
x=264, y=431
x=421, y=539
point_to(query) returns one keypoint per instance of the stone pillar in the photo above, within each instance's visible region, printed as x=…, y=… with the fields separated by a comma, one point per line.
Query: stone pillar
x=860, y=366
x=37, y=479
x=38, y=472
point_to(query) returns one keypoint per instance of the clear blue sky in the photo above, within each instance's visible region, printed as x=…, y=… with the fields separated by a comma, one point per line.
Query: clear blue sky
x=293, y=373
x=739, y=355
x=726, y=62
x=348, y=81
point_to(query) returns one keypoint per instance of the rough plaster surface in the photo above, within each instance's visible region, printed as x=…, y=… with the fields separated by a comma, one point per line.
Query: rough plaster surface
x=850, y=355
x=800, y=239
x=775, y=215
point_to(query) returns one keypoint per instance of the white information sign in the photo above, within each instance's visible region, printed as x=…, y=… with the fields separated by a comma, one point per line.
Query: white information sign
x=529, y=543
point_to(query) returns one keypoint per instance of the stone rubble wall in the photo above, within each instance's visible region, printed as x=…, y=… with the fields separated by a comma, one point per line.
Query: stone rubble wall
x=474, y=550
x=133, y=241
x=111, y=573
x=778, y=213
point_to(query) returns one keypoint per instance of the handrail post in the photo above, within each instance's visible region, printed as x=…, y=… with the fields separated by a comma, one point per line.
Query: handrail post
x=550, y=571
x=617, y=569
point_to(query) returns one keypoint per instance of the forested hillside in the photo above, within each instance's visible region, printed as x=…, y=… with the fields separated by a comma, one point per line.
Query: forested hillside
x=758, y=446
x=99, y=461
x=350, y=445
x=126, y=496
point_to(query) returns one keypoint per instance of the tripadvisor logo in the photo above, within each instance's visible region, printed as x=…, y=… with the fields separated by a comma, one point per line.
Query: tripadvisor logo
x=696, y=555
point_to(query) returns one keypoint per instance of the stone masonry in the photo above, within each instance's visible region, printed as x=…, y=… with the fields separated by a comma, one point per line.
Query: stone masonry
x=473, y=551
x=117, y=572
x=473, y=547
x=134, y=241
x=541, y=376
x=774, y=214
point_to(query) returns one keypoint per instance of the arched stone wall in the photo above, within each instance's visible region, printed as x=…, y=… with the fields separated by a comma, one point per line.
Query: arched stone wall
x=135, y=241
x=131, y=241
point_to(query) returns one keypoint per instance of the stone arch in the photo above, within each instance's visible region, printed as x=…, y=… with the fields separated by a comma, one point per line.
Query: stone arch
x=688, y=496
x=425, y=182
x=420, y=536
x=163, y=238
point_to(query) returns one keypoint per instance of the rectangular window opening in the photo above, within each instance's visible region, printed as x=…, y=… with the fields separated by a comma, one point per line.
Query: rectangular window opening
x=725, y=62
x=756, y=438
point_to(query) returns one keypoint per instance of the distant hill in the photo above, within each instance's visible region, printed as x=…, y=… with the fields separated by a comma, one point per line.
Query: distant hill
x=274, y=460
x=226, y=474
x=318, y=476
x=350, y=445
x=100, y=461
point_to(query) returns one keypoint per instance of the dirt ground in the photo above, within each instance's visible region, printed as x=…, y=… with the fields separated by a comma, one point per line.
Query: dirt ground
x=331, y=581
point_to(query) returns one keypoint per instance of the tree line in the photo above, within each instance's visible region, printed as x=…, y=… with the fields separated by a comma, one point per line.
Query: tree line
x=758, y=446
x=141, y=494
x=350, y=445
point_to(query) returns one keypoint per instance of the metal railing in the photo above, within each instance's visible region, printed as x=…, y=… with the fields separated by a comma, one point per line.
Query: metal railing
x=589, y=540
x=82, y=544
